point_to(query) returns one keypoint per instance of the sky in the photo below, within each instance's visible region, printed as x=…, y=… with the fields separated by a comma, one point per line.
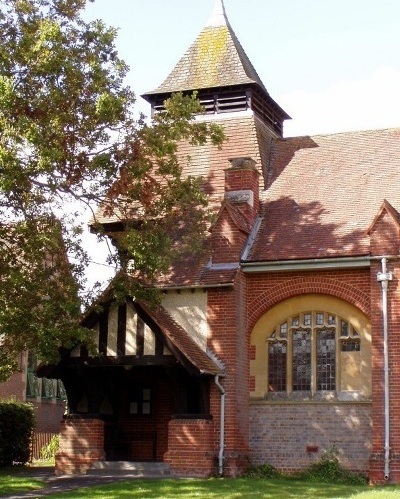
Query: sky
x=332, y=65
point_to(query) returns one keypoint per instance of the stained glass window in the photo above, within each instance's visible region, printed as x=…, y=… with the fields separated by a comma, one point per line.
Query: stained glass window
x=301, y=360
x=304, y=352
x=277, y=353
x=326, y=359
x=352, y=345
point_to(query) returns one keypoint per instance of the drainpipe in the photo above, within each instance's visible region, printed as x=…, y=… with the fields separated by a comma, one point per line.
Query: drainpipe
x=221, y=427
x=384, y=277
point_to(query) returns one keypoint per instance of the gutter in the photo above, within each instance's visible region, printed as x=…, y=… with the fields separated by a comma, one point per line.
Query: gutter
x=306, y=264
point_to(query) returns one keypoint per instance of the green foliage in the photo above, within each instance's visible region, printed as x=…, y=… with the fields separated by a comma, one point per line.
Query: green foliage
x=67, y=134
x=16, y=426
x=265, y=470
x=48, y=452
x=328, y=469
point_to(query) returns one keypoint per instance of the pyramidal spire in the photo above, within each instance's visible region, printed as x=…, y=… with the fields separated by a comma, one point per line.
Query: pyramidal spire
x=218, y=17
x=215, y=59
x=217, y=67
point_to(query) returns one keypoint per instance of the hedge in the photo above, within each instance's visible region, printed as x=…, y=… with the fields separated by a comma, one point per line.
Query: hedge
x=17, y=421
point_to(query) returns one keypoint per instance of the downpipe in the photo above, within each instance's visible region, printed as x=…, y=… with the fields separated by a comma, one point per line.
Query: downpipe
x=384, y=277
x=221, y=427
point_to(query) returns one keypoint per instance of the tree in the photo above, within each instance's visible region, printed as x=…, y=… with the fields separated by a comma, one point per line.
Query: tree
x=67, y=134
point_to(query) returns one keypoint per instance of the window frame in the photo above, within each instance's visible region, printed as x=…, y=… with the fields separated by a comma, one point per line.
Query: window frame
x=357, y=386
x=308, y=322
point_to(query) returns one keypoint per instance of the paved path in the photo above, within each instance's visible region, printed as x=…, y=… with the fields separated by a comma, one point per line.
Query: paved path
x=64, y=483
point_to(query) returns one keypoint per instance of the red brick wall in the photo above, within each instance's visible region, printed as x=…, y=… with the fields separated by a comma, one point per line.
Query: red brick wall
x=385, y=241
x=227, y=240
x=14, y=387
x=266, y=290
x=229, y=342
x=190, y=443
x=48, y=415
x=281, y=433
x=237, y=179
x=81, y=445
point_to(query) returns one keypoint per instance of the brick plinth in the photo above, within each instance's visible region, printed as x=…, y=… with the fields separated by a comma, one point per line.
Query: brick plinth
x=292, y=436
x=377, y=469
x=81, y=445
x=190, y=447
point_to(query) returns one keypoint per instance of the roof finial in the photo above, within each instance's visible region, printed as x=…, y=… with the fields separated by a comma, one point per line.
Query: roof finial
x=218, y=17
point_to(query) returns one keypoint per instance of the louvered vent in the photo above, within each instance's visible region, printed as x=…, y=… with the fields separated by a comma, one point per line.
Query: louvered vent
x=217, y=103
x=234, y=100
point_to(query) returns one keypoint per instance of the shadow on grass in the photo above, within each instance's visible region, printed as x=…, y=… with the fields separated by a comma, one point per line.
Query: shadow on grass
x=13, y=484
x=244, y=488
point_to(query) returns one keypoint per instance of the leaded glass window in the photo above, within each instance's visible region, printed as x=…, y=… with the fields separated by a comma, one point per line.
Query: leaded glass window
x=307, y=352
x=301, y=360
x=277, y=353
x=326, y=359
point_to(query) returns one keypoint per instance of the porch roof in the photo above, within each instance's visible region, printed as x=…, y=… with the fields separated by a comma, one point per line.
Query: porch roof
x=179, y=341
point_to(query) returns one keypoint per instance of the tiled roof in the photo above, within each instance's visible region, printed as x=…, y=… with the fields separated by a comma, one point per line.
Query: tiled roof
x=215, y=59
x=237, y=217
x=386, y=207
x=180, y=339
x=194, y=270
x=245, y=137
x=323, y=193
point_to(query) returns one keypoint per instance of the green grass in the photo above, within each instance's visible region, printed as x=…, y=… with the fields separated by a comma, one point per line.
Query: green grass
x=11, y=484
x=243, y=488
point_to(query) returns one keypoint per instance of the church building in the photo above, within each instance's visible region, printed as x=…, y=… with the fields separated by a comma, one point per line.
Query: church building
x=279, y=344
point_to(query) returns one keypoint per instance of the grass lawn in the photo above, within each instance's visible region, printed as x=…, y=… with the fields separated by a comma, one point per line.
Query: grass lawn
x=244, y=488
x=11, y=484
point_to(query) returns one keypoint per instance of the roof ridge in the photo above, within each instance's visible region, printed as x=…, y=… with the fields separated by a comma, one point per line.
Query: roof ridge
x=348, y=132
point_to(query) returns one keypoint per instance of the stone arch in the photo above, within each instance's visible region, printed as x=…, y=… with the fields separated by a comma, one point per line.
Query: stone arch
x=308, y=285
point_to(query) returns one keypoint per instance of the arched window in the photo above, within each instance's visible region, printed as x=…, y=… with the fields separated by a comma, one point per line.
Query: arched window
x=311, y=353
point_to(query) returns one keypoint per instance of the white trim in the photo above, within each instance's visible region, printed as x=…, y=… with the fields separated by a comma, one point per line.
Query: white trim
x=309, y=264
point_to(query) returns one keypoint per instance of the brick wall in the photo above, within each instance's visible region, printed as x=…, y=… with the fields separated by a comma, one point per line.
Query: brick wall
x=265, y=291
x=81, y=445
x=228, y=340
x=385, y=241
x=281, y=433
x=190, y=444
x=15, y=386
x=48, y=415
x=227, y=240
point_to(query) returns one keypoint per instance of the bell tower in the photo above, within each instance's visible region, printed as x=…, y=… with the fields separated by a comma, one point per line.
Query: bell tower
x=217, y=67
